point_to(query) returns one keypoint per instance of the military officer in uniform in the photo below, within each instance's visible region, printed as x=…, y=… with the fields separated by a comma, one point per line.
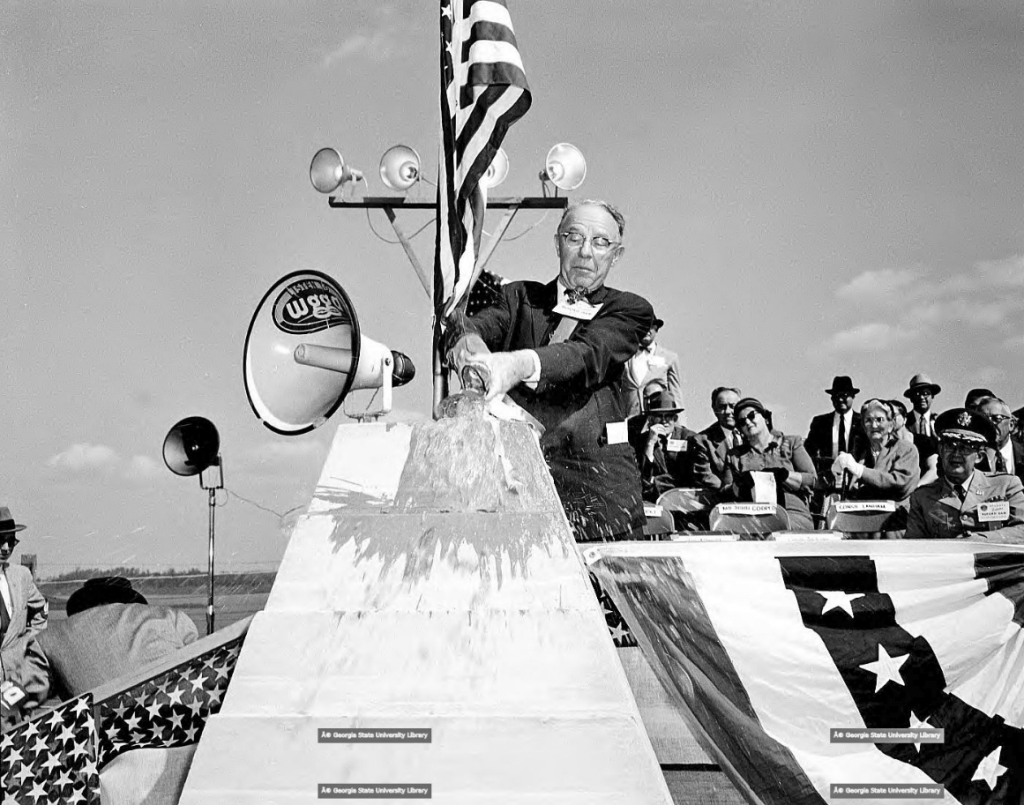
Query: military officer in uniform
x=967, y=503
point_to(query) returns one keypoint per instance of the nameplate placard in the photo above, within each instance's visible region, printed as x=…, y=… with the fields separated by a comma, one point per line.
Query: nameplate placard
x=746, y=508
x=995, y=512
x=866, y=506
x=653, y=510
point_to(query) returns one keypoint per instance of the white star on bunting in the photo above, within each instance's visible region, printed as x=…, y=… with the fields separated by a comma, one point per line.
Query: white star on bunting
x=838, y=599
x=886, y=668
x=990, y=769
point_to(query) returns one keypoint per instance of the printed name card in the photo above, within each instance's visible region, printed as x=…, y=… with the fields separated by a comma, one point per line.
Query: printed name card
x=583, y=311
x=676, y=445
x=653, y=510
x=995, y=512
x=866, y=506
x=747, y=508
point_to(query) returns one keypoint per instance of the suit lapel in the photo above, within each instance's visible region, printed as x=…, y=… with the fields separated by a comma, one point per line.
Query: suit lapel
x=976, y=492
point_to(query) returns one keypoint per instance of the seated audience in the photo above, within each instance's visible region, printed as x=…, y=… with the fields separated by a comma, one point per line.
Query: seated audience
x=883, y=468
x=766, y=450
x=662, y=447
x=950, y=508
x=710, y=446
x=1006, y=454
x=111, y=630
x=23, y=615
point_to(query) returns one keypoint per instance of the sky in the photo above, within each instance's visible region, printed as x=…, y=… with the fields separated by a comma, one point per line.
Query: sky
x=811, y=189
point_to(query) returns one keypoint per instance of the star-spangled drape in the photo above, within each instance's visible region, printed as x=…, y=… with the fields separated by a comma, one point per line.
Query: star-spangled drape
x=483, y=92
x=57, y=756
x=769, y=648
x=52, y=759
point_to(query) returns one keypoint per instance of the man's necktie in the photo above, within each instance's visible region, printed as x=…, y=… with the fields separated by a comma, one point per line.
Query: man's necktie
x=842, y=434
x=574, y=295
x=960, y=492
x=1000, y=462
x=5, y=617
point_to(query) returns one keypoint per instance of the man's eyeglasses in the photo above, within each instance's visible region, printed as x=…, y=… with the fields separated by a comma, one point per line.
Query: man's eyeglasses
x=12, y=540
x=999, y=419
x=577, y=239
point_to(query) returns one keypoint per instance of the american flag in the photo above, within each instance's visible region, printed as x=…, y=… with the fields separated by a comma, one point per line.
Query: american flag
x=52, y=758
x=483, y=92
x=57, y=757
x=770, y=647
x=169, y=710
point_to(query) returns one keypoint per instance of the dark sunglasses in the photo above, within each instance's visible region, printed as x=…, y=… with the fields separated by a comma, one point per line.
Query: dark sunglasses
x=749, y=417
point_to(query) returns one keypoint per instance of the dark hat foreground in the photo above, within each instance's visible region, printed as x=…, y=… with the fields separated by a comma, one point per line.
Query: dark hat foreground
x=965, y=424
x=660, y=402
x=920, y=381
x=976, y=394
x=842, y=384
x=103, y=590
x=7, y=524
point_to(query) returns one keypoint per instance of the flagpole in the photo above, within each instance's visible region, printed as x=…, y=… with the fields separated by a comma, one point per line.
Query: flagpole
x=440, y=377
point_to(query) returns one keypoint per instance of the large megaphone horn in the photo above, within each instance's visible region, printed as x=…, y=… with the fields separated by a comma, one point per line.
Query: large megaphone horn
x=304, y=353
x=328, y=171
x=400, y=167
x=564, y=167
x=191, y=446
x=496, y=171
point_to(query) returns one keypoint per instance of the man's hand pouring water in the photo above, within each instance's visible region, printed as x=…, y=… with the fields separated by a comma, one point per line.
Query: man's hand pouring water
x=500, y=371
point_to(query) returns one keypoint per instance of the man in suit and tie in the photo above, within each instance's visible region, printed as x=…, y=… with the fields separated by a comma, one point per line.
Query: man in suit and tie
x=922, y=392
x=23, y=613
x=967, y=503
x=711, y=446
x=837, y=431
x=559, y=350
x=1006, y=454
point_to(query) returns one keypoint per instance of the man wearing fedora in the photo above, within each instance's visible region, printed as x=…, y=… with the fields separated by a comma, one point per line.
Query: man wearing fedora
x=23, y=613
x=921, y=392
x=839, y=430
x=653, y=362
x=966, y=503
x=663, y=448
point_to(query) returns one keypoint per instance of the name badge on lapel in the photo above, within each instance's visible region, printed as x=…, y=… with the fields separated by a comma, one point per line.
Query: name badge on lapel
x=656, y=360
x=582, y=310
x=676, y=445
x=997, y=511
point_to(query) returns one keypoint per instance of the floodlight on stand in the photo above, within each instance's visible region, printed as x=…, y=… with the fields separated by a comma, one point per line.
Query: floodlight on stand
x=400, y=167
x=564, y=167
x=328, y=171
x=496, y=171
x=192, y=447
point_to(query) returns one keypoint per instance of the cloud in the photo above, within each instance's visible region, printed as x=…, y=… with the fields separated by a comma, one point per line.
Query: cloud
x=285, y=451
x=870, y=337
x=82, y=457
x=883, y=284
x=378, y=45
x=917, y=300
x=85, y=458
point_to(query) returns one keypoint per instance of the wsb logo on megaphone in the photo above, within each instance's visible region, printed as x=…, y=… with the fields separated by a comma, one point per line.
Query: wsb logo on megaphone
x=304, y=354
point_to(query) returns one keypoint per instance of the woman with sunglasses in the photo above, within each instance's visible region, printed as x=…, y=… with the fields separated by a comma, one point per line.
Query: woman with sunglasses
x=887, y=468
x=768, y=450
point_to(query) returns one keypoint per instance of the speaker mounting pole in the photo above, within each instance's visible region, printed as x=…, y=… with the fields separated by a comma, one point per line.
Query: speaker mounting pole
x=390, y=204
x=211, y=479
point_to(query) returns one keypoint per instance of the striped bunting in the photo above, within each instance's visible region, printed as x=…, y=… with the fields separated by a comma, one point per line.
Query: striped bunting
x=483, y=92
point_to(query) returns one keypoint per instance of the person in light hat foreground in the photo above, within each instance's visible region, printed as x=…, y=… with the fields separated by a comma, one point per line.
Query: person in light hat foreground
x=967, y=503
x=23, y=613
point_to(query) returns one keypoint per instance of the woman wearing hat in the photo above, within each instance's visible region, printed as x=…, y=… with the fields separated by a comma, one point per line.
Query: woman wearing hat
x=767, y=450
x=887, y=468
x=25, y=670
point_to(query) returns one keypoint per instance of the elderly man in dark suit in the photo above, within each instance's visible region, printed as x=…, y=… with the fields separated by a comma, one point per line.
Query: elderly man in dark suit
x=711, y=446
x=23, y=615
x=559, y=350
x=1006, y=454
x=967, y=503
